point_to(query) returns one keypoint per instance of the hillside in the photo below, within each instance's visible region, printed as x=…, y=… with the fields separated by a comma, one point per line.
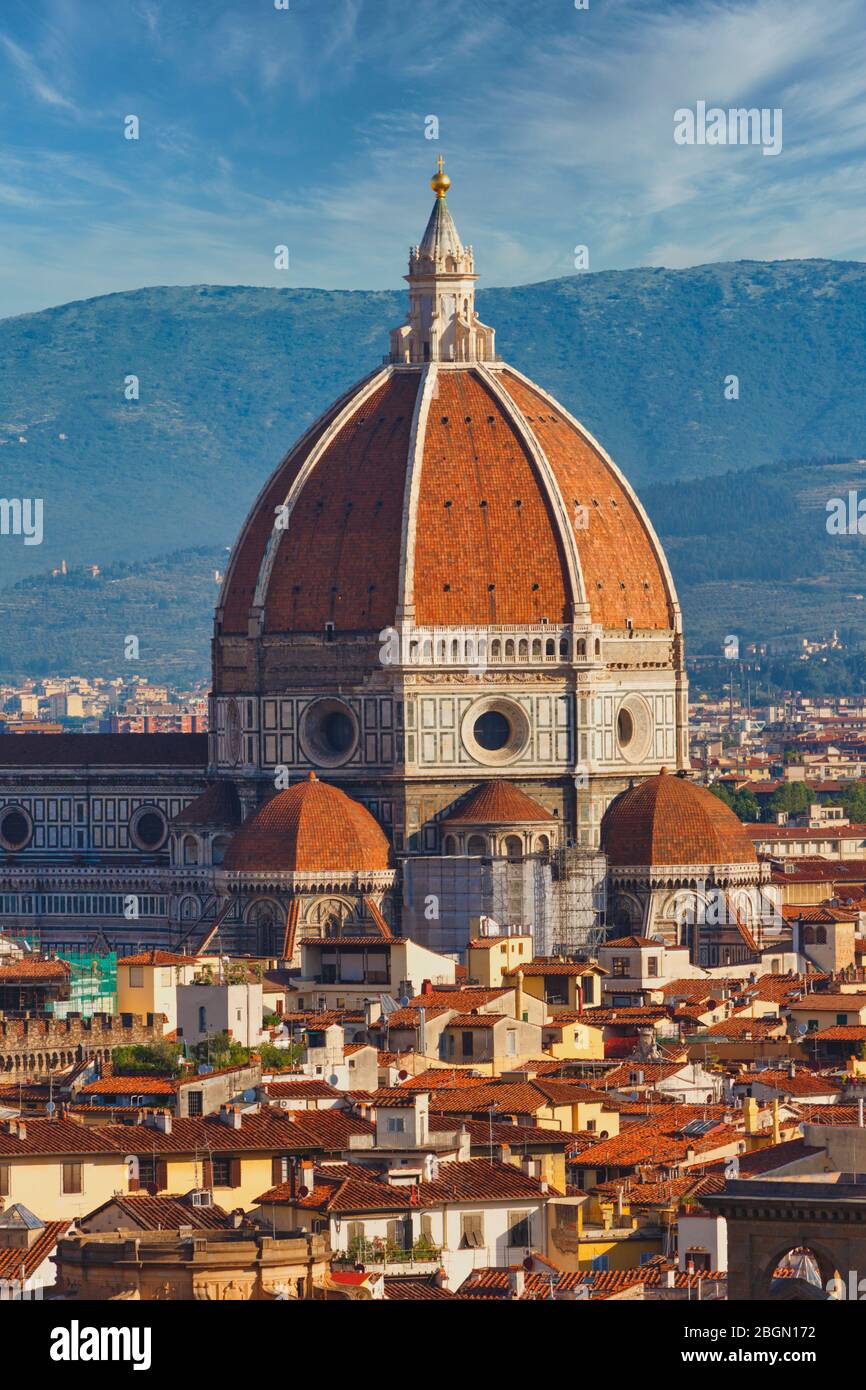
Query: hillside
x=154, y=491
x=230, y=375
x=761, y=570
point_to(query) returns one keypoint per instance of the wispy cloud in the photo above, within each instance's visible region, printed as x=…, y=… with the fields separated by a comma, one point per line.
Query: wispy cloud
x=33, y=77
x=307, y=127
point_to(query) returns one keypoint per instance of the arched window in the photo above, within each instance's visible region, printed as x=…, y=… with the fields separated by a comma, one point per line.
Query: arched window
x=550, y=647
x=190, y=849
x=477, y=845
x=450, y=844
x=563, y=646
x=509, y=650
x=542, y=844
x=495, y=649
x=220, y=845
x=808, y=936
x=523, y=650
x=581, y=646
x=820, y=936
x=536, y=649
x=514, y=848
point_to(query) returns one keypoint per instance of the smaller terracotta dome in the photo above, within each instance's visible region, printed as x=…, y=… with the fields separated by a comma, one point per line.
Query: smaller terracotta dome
x=218, y=805
x=498, y=803
x=670, y=820
x=309, y=827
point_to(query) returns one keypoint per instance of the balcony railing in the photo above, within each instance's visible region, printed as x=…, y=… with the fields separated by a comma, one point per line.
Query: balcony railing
x=385, y=1253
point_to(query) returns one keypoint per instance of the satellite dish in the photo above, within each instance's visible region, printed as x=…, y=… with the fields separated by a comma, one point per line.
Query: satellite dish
x=151, y=1189
x=333, y=1079
x=802, y=1028
x=360, y=1269
x=404, y=1002
x=303, y=1191
x=527, y=1263
x=250, y=1095
x=402, y=1075
x=50, y=1108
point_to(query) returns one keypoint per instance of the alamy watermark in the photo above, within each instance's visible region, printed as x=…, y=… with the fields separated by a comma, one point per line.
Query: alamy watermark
x=22, y=516
x=739, y=125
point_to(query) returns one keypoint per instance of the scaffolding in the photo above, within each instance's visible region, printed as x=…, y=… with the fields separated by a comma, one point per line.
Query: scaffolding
x=574, y=922
x=92, y=984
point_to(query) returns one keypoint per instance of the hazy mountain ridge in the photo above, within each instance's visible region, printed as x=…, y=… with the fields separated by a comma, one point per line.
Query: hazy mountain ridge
x=229, y=376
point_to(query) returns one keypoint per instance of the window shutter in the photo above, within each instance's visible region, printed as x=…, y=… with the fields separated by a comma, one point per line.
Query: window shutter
x=161, y=1174
x=277, y=1171
x=234, y=1172
x=135, y=1184
x=207, y=1173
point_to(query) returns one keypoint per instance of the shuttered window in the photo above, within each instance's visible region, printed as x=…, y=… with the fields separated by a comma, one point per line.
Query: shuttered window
x=71, y=1177
x=471, y=1230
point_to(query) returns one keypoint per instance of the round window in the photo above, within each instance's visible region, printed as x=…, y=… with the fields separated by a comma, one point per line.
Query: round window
x=624, y=728
x=492, y=730
x=338, y=731
x=634, y=729
x=149, y=829
x=16, y=828
x=329, y=732
x=495, y=730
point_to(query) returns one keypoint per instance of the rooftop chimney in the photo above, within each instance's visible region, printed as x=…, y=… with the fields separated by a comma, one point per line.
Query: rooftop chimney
x=516, y=1283
x=231, y=1115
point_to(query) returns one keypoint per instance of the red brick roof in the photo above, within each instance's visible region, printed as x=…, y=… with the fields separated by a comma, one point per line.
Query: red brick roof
x=309, y=827
x=497, y=803
x=631, y=943
x=21, y=971
x=488, y=546
x=157, y=957
x=218, y=805
x=670, y=820
x=474, y=1180
x=162, y=1213
x=623, y=576
x=129, y=1085
x=12, y=1261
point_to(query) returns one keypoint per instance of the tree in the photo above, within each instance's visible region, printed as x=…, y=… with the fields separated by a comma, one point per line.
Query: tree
x=152, y=1059
x=745, y=805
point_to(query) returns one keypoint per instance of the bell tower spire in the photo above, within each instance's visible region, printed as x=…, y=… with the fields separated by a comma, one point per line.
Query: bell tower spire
x=442, y=325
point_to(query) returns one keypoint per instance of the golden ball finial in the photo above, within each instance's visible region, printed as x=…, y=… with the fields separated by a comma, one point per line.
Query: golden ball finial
x=440, y=182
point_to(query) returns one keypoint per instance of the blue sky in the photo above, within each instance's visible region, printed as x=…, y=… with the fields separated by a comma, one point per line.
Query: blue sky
x=306, y=127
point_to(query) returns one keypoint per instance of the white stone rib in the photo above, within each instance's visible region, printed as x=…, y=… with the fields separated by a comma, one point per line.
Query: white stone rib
x=579, y=598
x=356, y=399
x=406, y=590
x=624, y=483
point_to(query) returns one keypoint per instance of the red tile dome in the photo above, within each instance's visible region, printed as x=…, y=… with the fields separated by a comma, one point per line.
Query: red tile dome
x=485, y=504
x=669, y=820
x=498, y=803
x=309, y=827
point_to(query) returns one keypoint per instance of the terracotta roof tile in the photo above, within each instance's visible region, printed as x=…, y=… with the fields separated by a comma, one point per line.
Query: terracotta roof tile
x=497, y=803
x=308, y=827
x=669, y=820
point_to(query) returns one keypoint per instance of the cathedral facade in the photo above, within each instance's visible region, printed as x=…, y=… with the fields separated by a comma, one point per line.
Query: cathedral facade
x=445, y=587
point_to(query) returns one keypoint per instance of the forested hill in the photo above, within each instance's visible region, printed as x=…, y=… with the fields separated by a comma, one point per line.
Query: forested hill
x=228, y=376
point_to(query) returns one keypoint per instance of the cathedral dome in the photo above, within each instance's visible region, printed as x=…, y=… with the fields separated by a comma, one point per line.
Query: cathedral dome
x=482, y=504
x=443, y=490
x=670, y=820
x=498, y=803
x=307, y=828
